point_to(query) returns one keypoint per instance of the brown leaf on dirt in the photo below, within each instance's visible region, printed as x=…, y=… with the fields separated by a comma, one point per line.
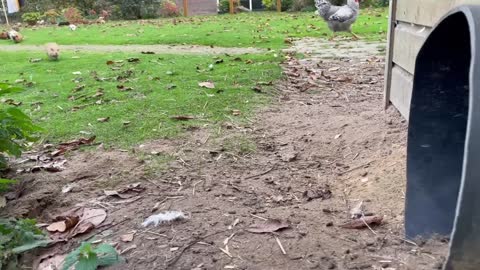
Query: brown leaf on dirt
x=63, y=225
x=269, y=226
x=52, y=263
x=82, y=228
x=90, y=219
x=323, y=193
x=94, y=216
x=103, y=119
x=54, y=166
x=208, y=85
x=59, y=226
x=362, y=222
x=182, y=117
x=72, y=145
x=127, y=237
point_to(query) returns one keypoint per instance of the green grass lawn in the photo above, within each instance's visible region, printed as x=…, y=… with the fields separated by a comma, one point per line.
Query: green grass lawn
x=69, y=96
x=258, y=29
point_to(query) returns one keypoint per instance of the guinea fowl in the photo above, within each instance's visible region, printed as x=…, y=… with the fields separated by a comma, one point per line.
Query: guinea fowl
x=339, y=18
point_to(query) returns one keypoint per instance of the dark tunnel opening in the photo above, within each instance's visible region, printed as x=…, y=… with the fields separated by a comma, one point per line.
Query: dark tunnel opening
x=437, y=128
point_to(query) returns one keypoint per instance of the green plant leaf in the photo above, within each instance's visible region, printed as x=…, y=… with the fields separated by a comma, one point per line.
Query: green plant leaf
x=30, y=246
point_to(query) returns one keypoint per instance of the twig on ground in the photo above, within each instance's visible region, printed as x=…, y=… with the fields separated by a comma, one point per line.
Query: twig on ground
x=280, y=245
x=172, y=262
x=259, y=217
x=195, y=185
x=261, y=174
x=355, y=168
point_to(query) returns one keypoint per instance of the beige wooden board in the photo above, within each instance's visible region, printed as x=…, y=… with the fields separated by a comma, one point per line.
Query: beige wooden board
x=427, y=12
x=407, y=43
x=401, y=90
x=389, y=60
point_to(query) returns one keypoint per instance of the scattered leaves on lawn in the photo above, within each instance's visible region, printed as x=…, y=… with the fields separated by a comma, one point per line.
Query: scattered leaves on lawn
x=103, y=119
x=362, y=222
x=182, y=117
x=171, y=86
x=133, y=60
x=124, y=88
x=269, y=226
x=236, y=112
x=209, y=85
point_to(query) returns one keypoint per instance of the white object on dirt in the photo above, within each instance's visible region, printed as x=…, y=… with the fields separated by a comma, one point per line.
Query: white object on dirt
x=166, y=217
x=73, y=27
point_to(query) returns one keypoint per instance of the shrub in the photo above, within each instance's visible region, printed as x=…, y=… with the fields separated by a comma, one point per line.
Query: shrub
x=16, y=129
x=224, y=5
x=272, y=4
x=73, y=15
x=169, y=9
x=31, y=17
x=303, y=5
x=16, y=237
x=51, y=16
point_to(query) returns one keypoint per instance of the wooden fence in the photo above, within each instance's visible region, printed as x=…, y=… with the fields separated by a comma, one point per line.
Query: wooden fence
x=193, y=7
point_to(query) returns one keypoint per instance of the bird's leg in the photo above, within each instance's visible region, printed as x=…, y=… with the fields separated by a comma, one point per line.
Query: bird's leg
x=355, y=37
x=333, y=37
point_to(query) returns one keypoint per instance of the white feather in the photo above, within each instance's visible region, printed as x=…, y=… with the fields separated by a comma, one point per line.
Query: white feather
x=166, y=217
x=73, y=27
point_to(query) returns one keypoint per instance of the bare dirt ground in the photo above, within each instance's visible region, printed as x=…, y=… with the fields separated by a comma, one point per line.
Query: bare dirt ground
x=322, y=147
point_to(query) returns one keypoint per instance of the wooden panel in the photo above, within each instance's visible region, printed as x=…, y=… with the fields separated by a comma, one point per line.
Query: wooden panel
x=389, y=60
x=407, y=43
x=427, y=12
x=402, y=85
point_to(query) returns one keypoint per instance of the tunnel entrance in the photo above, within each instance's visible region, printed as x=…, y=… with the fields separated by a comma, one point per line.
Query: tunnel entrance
x=437, y=128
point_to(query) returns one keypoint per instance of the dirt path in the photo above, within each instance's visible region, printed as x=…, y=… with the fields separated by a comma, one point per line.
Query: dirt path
x=324, y=146
x=161, y=49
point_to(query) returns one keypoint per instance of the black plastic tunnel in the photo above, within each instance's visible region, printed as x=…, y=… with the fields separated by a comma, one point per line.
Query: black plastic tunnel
x=443, y=156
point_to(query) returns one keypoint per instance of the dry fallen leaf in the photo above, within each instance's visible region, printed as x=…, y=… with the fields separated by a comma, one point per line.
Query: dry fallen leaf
x=269, y=226
x=208, y=85
x=127, y=237
x=52, y=263
x=182, y=117
x=64, y=225
x=59, y=226
x=94, y=216
x=103, y=119
x=362, y=222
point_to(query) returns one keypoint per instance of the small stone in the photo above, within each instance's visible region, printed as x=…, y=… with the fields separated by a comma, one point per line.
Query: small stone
x=329, y=224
